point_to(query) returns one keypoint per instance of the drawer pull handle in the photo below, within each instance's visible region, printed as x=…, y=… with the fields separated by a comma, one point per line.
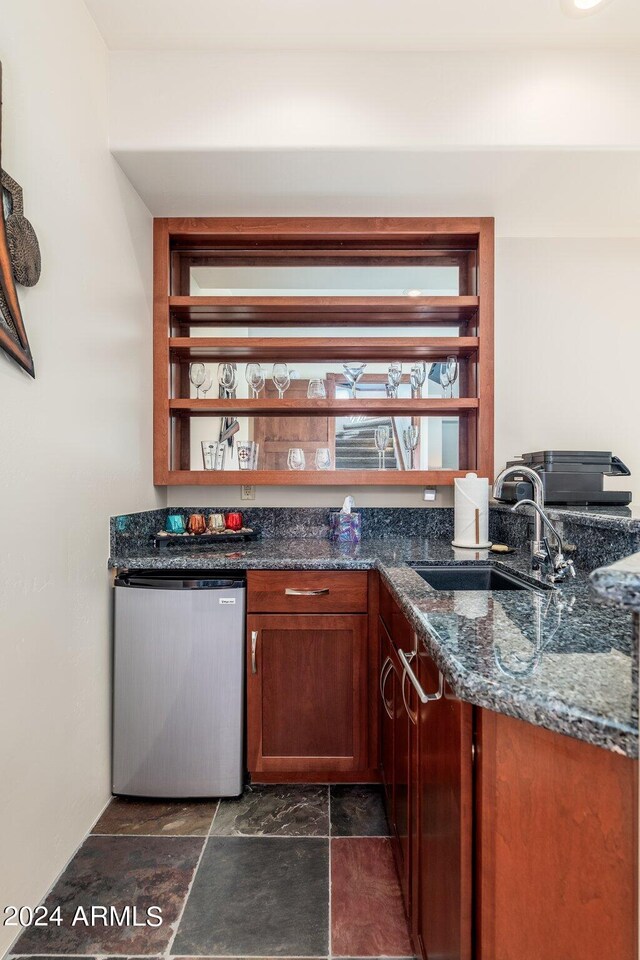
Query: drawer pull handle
x=415, y=683
x=292, y=592
x=254, y=644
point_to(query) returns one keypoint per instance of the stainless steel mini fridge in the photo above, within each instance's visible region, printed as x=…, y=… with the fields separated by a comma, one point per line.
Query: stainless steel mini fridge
x=178, y=700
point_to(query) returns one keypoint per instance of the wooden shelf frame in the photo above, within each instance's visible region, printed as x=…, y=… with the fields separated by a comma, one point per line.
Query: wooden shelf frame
x=180, y=243
x=296, y=349
x=432, y=407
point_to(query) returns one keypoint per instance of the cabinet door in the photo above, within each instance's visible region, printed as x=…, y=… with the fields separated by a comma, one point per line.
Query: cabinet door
x=442, y=862
x=307, y=693
x=557, y=846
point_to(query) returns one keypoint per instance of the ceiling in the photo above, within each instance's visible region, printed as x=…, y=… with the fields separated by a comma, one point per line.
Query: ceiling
x=544, y=193
x=399, y=25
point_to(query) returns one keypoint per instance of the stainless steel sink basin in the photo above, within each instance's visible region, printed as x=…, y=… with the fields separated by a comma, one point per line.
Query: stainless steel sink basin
x=481, y=576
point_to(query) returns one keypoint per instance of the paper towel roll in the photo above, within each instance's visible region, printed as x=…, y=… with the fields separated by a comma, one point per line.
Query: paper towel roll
x=471, y=506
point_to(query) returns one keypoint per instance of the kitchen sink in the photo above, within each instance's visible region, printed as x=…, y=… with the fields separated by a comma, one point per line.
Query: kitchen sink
x=481, y=576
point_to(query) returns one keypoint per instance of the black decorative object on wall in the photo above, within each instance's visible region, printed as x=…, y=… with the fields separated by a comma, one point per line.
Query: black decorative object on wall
x=19, y=260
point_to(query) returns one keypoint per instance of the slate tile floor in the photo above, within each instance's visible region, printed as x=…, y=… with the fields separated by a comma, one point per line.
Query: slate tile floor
x=283, y=871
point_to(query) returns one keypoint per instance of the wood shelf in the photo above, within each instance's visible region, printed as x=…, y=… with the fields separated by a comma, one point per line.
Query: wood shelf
x=321, y=478
x=323, y=311
x=186, y=349
x=180, y=244
x=323, y=408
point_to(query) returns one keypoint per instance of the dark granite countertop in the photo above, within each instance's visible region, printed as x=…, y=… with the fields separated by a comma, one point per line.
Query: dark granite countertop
x=620, y=582
x=561, y=659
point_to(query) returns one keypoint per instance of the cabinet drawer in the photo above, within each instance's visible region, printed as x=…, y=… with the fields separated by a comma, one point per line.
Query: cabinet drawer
x=306, y=591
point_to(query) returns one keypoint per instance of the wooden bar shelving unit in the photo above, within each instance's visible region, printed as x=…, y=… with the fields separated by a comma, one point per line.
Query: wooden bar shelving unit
x=183, y=243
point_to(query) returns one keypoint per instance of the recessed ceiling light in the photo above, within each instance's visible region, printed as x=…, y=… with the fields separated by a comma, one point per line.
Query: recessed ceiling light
x=413, y=293
x=583, y=8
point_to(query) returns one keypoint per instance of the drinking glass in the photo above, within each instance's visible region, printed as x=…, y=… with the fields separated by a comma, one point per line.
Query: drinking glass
x=227, y=376
x=281, y=380
x=197, y=375
x=206, y=386
x=417, y=377
x=353, y=372
x=411, y=438
x=395, y=377
x=382, y=439
x=452, y=371
x=448, y=374
x=295, y=459
x=254, y=375
x=247, y=454
x=323, y=458
x=316, y=390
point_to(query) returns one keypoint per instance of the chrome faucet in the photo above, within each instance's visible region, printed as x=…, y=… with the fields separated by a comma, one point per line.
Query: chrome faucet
x=554, y=565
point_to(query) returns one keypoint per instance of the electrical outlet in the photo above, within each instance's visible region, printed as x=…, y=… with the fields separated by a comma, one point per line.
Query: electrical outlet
x=247, y=492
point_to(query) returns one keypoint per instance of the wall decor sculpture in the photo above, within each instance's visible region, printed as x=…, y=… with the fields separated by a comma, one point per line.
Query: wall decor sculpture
x=19, y=261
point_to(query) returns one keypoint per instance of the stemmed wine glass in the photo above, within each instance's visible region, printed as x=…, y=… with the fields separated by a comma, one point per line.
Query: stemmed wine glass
x=411, y=438
x=353, y=372
x=227, y=376
x=197, y=375
x=417, y=378
x=254, y=375
x=448, y=374
x=281, y=380
x=382, y=439
x=206, y=386
x=394, y=377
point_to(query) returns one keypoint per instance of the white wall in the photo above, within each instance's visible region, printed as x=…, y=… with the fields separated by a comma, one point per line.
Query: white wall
x=567, y=348
x=172, y=100
x=75, y=443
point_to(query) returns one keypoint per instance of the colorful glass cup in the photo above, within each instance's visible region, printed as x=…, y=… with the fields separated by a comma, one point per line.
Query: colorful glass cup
x=175, y=523
x=234, y=521
x=196, y=523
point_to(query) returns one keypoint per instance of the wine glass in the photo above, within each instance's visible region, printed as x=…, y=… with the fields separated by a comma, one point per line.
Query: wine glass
x=411, y=438
x=448, y=374
x=323, y=458
x=227, y=376
x=255, y=378
x=417, y=378
x=282, y=380
x=295, y=459
x=316, y=390
x=206, y=385
x=381, y=437
x=452, y=369
x=197, y=375
x=394, y=377
x=353, y=372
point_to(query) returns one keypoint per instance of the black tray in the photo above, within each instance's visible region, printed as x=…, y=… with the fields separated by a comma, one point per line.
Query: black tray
x=177, y=541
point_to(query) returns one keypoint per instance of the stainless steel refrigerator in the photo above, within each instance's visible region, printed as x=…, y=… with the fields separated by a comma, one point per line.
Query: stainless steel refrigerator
x=178, y=700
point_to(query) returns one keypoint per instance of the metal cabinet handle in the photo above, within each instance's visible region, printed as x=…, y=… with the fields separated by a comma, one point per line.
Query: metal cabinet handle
x=292, y=592
x=415, y=683
x=412, y=714
x=387, y=667
x=254, y=644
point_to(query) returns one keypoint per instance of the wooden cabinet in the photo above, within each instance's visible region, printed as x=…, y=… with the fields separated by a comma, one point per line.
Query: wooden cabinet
x=185, y=331
x=442, y=798
x=557, y=872
x=308, y=677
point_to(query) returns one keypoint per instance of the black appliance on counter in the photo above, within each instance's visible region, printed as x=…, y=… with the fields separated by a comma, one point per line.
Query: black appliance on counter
x=569, y=477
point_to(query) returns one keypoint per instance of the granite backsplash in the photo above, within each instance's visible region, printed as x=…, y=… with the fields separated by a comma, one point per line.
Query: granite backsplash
x=599, y=539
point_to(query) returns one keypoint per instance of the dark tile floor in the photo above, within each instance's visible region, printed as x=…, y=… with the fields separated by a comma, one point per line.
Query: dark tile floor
x=284, y=871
